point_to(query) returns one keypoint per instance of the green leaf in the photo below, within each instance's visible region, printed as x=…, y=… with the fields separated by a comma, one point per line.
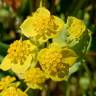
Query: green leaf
x=74, y=68
x=83, y=45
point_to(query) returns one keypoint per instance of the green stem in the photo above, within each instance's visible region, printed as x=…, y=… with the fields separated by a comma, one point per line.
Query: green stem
x=41, y=3
x=26, y=89
x=89, y=74
x=68, y=90
x=87, y=69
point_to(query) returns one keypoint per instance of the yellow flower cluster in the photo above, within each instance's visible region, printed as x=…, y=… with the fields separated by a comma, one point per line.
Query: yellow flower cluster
x=6, y=81
x=52, y=62
x=8, y=87
x=76, y=27
x=13, y=91
x=35, y=77
x=56, y=61
x=42, y=25
x=19, y=57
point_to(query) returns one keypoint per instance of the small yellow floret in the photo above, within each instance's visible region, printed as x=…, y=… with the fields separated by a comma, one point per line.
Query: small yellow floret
x=41, y=25
x=13, y=91
x=19, y=57
x=6, y=81
x=56, y=61
x=35, y=78
x=76, y=28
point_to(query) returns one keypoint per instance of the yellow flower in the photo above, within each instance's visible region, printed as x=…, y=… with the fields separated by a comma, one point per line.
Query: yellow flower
x=6, y=81
x=56, y=61
x=13, y=91
x=35, y=78
x=76, y=28
x=42, y=25
x=19, y=57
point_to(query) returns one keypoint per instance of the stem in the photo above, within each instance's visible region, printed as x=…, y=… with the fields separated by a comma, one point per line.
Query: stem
x=44, y=92
x=26, y=89
x=89, y=74
x=41, y=3
x=68, y=90
x=87, y=69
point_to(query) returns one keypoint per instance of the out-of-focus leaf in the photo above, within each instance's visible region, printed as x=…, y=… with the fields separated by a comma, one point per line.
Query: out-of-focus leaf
x=1, y=58
x=25, y=8
x=3, y=13
x=93, y=47
x=84, y=82
x=3, y=49
x=13, y=3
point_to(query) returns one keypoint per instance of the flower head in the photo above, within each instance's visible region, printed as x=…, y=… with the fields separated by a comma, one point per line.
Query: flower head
x=76, y=28
x=6, y=81
x=56, y=61
x=13, y=91
x=34, y=77
x=19, y=57
x=41, y=25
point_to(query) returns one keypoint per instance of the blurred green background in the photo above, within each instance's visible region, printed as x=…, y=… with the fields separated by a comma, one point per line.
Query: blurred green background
x=82, y=82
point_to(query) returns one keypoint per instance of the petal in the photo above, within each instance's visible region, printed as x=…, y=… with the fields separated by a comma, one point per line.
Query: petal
x=42, y=11
x=76, y=27
x=57, y=78
x=70, y=56
x=35, y=86
x=20, y=69
x=6, y=64
x=59, y=22
x=34, y=23
x=27, y=27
